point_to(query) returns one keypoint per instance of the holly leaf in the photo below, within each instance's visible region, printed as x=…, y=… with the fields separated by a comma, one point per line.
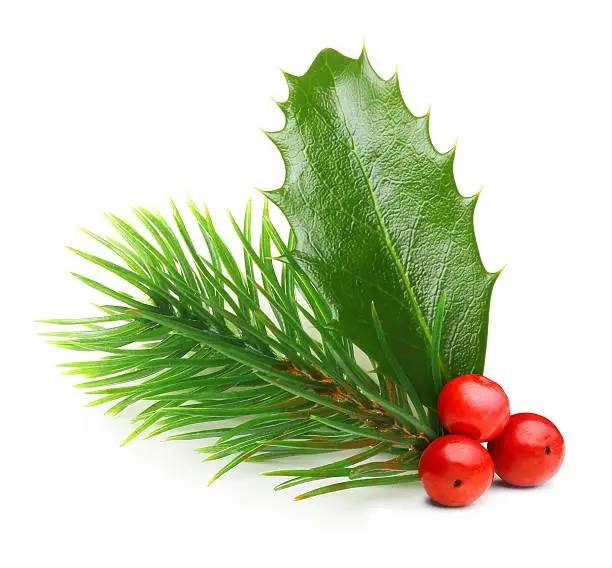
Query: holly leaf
x=379, y=220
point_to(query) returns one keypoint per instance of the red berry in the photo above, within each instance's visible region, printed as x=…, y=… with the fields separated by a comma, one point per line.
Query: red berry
x=455, y=470
x=474, y=406
x=529, y=451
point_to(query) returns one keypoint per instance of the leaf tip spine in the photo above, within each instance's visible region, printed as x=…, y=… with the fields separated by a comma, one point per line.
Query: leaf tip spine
x=472, y=200
x=274, y=136
x=495, y=275
x=282, y=105
x=292, y=80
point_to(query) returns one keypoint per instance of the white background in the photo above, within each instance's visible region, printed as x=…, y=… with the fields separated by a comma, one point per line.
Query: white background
x=106, y=104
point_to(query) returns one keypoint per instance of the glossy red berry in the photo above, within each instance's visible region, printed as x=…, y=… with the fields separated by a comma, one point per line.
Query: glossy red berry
x=529, y=451
x=473, y=406
x=455, y=470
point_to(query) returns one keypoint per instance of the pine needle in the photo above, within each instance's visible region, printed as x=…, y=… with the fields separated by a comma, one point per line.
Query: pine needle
x=244, y=342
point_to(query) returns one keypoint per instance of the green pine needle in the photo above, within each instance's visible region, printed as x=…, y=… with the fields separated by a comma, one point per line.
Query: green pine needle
x=397, y=480
x=245, y=343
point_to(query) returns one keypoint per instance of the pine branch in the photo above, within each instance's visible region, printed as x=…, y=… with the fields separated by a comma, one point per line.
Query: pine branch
x=207, y=339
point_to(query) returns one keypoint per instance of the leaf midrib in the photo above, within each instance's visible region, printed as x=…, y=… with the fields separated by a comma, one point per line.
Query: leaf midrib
x=387, y=238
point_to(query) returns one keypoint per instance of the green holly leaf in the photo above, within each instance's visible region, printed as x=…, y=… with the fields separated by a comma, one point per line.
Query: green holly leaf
x=379, y=220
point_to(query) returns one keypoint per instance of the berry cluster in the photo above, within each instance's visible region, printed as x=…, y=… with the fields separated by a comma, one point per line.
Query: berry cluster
x=523, y=449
